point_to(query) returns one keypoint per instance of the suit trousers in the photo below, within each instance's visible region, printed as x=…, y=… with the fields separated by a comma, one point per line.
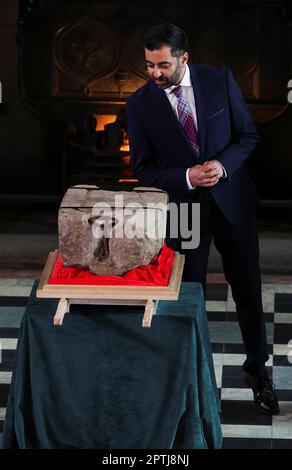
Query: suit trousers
x=239, y=249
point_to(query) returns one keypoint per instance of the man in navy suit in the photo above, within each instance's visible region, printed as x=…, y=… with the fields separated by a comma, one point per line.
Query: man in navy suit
x=190, y=134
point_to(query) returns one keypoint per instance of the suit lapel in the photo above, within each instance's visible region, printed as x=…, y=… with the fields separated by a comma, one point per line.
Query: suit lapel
x=200, y=95
x=162, y=112
x=163, y=109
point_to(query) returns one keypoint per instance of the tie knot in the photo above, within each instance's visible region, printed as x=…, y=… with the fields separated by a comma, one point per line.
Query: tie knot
x=177, y=91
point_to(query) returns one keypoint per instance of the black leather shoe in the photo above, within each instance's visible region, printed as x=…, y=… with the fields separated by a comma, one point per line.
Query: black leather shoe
x=265, y=397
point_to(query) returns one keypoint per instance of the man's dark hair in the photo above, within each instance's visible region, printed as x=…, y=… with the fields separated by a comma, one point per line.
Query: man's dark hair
x=166, y=34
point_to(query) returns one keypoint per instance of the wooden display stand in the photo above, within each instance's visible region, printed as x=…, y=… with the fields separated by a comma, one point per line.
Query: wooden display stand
x=109, y=295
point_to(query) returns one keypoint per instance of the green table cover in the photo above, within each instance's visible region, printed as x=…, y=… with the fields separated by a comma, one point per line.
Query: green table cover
x=102, y=381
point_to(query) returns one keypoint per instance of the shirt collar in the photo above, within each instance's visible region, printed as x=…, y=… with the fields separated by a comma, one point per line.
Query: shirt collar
x=185, y=81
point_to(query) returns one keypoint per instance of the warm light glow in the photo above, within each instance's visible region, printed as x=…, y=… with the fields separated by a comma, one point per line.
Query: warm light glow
x=126, y=159
x=125, y=147
x=103, y=119
x=128, y=180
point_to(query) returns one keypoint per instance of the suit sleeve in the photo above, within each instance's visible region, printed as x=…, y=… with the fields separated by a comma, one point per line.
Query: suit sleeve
x=145, y=162
x=244, y=135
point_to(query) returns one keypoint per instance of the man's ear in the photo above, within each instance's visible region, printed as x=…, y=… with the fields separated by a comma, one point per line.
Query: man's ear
x=185, y=58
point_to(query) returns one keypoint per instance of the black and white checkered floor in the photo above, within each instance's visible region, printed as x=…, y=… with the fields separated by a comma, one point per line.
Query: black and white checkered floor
x=243, y=426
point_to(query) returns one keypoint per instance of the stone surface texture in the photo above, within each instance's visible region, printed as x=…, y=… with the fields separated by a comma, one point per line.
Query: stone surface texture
x=111, y=232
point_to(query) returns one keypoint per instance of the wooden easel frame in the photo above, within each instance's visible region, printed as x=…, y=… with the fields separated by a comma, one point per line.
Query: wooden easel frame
x=110, y=295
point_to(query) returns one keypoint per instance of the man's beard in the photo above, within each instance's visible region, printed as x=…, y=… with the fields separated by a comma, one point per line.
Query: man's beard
x=167, y=82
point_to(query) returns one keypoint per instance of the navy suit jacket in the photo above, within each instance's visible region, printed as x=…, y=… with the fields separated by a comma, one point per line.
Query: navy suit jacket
x=161, y=153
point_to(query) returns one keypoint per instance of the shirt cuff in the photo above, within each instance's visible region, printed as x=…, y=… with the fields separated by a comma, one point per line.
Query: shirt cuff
x=224, y=171
x=189, y=184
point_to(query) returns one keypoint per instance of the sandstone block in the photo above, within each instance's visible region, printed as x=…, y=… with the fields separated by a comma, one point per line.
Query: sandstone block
x=111, y=232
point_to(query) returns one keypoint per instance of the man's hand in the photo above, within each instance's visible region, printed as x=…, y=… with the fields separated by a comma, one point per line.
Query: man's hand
x=216, y=166
x=207, y=174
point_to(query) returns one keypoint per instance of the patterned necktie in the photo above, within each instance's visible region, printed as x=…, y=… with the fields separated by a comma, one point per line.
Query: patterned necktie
x=186, y=119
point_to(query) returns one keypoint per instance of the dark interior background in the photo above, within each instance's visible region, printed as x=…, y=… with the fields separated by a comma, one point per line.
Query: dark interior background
x=67, y=67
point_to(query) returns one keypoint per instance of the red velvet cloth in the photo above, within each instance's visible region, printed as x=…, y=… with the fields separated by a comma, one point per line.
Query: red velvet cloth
x=156, y=273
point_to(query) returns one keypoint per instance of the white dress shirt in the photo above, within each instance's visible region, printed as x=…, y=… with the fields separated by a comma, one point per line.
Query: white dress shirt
x=188, y=94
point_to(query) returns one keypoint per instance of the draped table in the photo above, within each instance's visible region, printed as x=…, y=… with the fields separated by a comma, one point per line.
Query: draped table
x=102, y=381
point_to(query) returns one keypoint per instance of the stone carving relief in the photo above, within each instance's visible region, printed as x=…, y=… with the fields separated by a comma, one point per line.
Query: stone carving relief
x=87, y=50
